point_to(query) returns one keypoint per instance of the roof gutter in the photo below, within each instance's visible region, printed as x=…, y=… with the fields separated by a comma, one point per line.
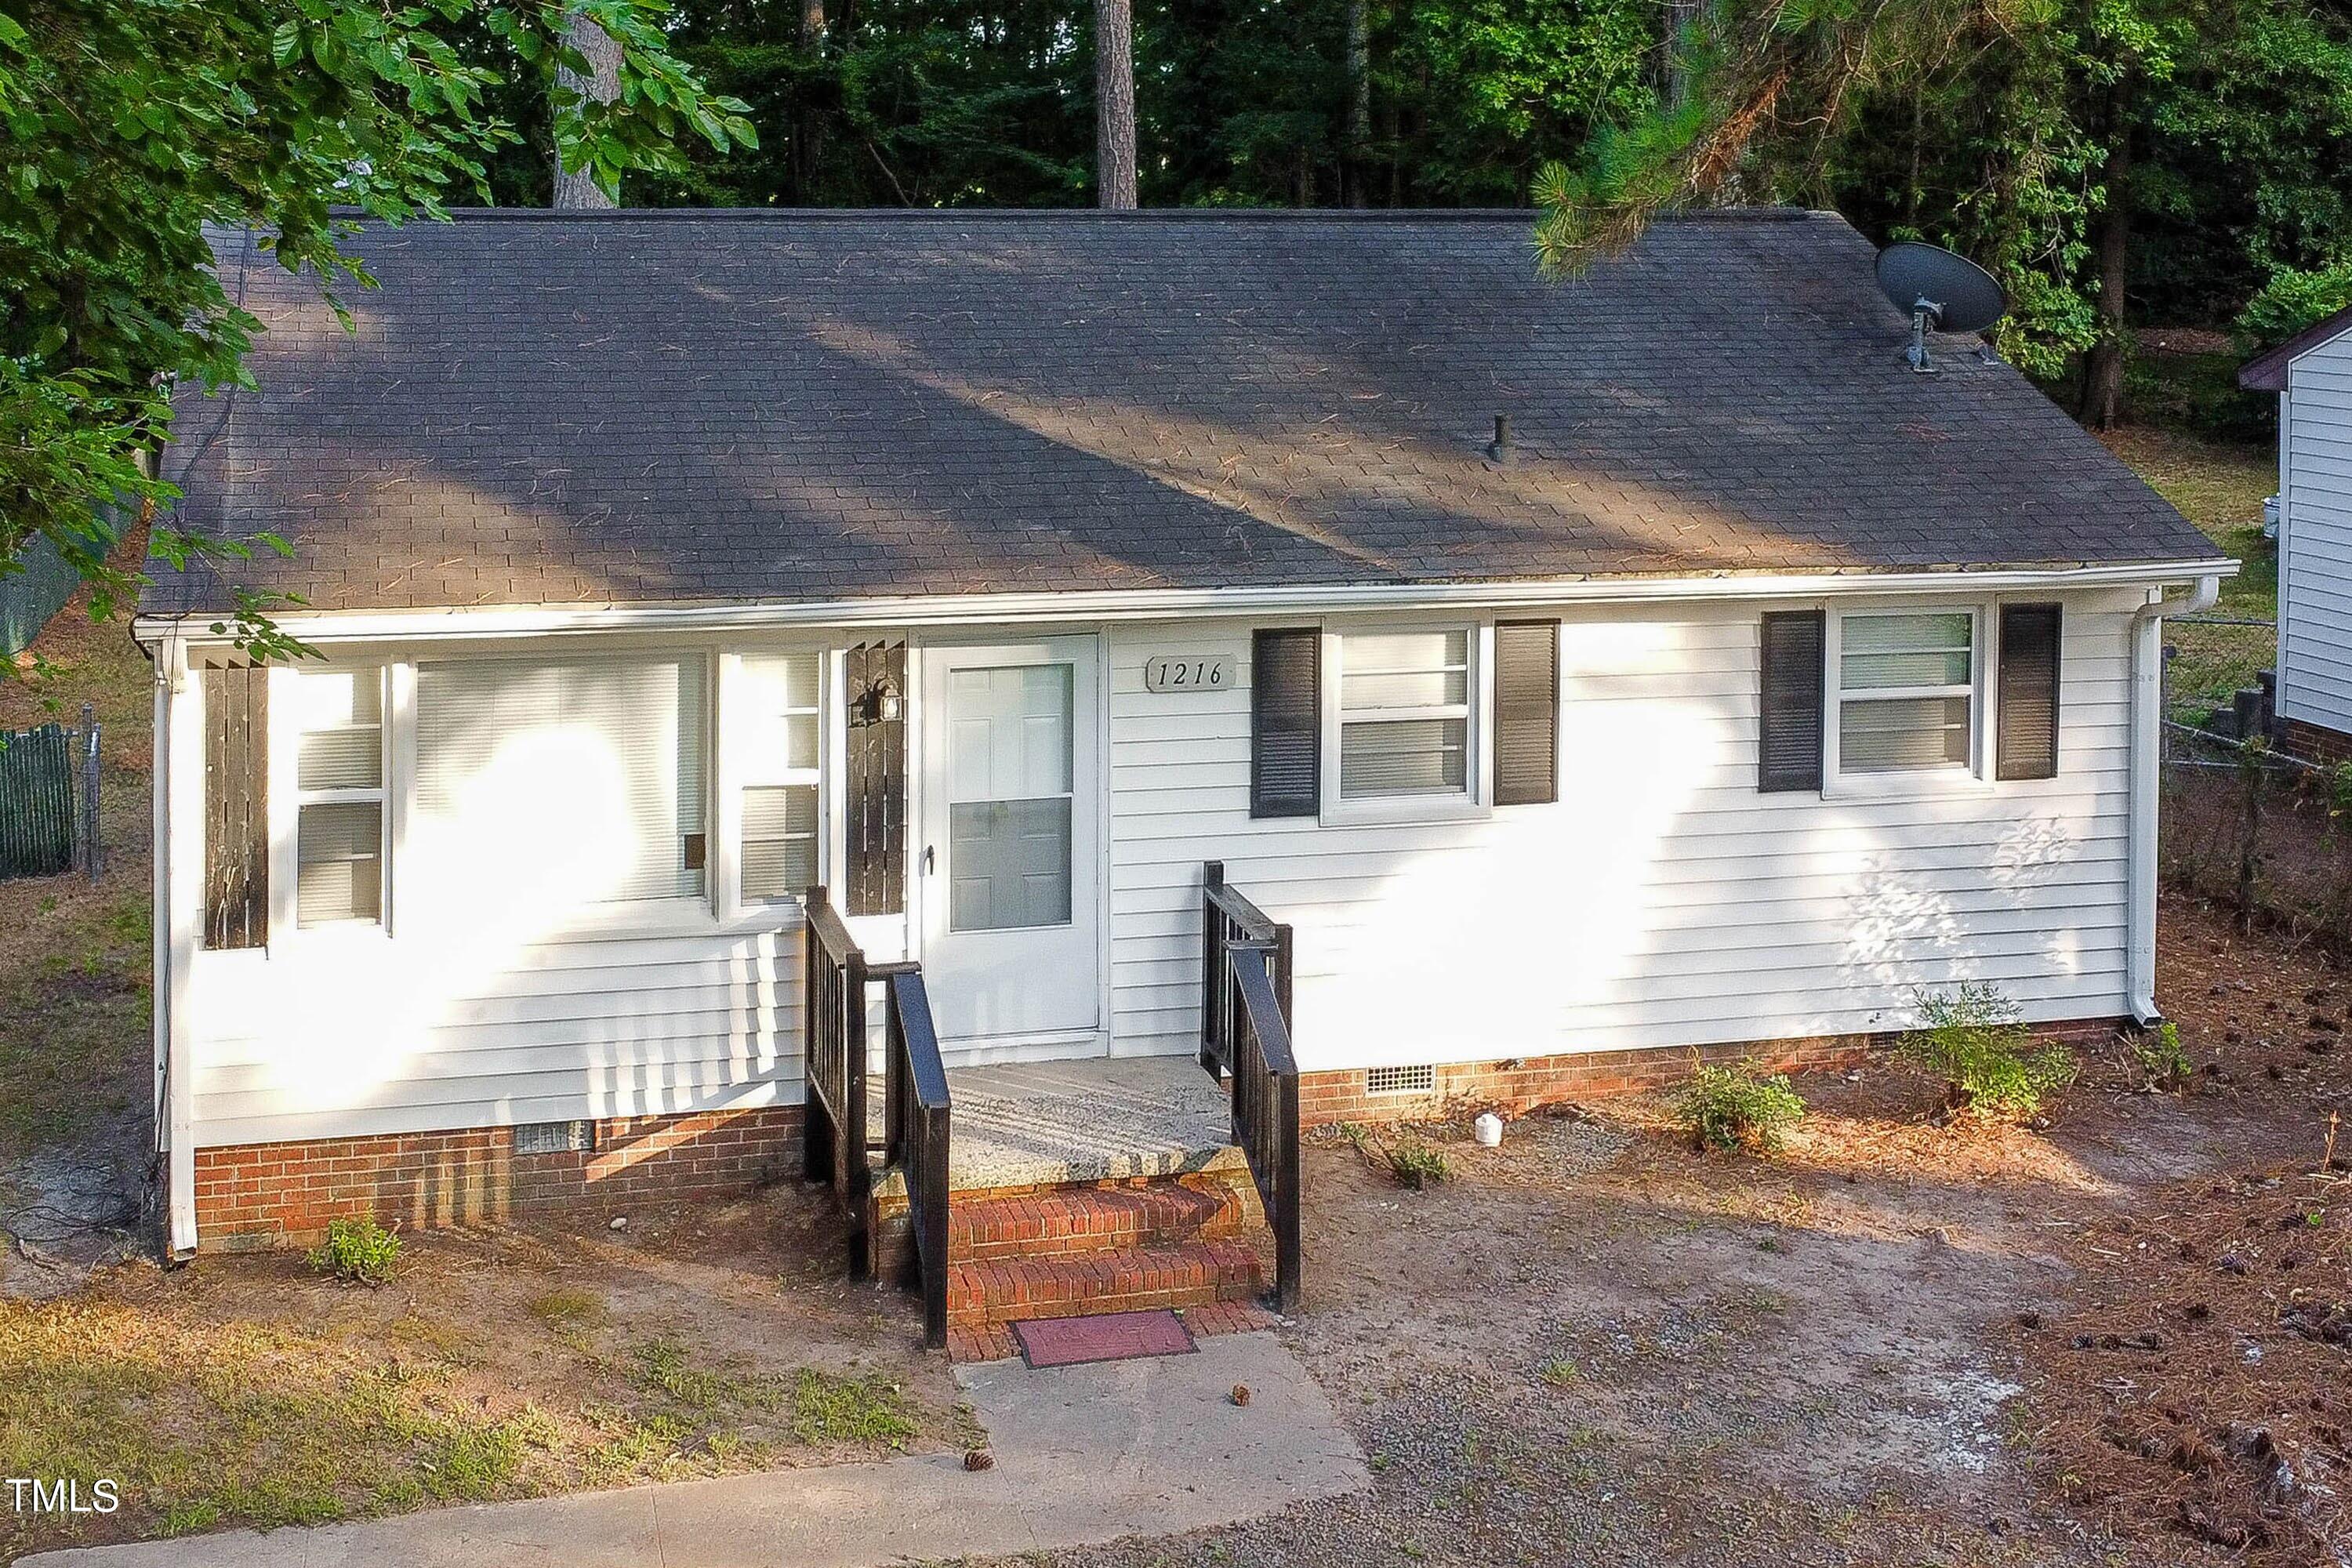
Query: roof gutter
x=1163, y=603
x=2146, y=758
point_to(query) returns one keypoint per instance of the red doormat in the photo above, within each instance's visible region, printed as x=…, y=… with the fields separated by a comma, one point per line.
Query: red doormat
x=1114, y=1336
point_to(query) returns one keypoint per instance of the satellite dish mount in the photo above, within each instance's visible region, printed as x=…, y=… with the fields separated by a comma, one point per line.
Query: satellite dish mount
x=1940, y=292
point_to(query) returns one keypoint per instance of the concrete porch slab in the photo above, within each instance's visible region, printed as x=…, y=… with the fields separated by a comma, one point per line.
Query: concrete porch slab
x=1102, y=1119
x=1084, y=1455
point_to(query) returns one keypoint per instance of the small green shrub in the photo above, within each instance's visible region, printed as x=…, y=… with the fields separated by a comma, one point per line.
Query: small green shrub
x=2164, y=1063
x=356, y=1251
x=1416, y=1166
x=1988, y=1060
x=1737, y=1108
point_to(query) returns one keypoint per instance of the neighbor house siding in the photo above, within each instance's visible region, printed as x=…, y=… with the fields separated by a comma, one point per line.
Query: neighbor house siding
x=1663, y=900
x=2315, y=544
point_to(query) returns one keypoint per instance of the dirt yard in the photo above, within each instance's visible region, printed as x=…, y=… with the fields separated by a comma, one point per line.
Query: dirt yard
x=500, y=1365
x=1895, y=1342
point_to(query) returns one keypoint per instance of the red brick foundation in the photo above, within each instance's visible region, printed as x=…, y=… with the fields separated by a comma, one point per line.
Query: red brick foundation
x=1519, y=1084
x=258, y=1196
x=2312, y=742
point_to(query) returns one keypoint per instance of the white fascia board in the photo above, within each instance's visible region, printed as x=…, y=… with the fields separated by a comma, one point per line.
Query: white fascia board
x=1164, y=604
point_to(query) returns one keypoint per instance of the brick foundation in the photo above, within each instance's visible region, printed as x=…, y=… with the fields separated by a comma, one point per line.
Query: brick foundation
x=258, y=1196
x=2312, y=742
x=1519, y=1084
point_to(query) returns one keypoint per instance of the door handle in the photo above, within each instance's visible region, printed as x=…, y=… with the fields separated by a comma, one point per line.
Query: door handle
x=927, y=859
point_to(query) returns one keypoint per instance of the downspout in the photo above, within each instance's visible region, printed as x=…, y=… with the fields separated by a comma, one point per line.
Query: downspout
x=2147, y=753
x=178, y=750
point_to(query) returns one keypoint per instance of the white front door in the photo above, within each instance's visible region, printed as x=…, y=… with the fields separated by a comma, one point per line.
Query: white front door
x=1010, y=847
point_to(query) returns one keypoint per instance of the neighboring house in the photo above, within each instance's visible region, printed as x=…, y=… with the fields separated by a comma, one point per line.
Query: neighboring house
x=999, y=572
x=2312, y=373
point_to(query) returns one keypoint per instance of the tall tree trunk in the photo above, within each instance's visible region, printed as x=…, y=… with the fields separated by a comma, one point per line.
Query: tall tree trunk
x=2103, y=367
x=1113, y=103
x=1681, y=16
x=1359, y=103
x=578, y=188
x=808, y=122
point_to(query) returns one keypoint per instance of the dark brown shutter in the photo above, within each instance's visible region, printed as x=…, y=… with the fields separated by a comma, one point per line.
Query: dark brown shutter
x=1527, y=712
x=875, y=793
x=1286, y=722
x=237, y=814
x=1789, y=737
x=2030, y=635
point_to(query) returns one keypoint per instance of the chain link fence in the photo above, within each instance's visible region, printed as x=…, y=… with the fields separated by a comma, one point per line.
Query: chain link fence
x=2267, y=834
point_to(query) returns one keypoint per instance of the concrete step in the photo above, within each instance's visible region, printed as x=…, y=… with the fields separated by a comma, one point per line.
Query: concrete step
x=1062, y=1222
x=1001, y=1291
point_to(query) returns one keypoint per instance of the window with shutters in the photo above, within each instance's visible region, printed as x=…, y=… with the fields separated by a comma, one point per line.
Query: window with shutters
x=550, y=789
x=1906, y=693
x=778, y=740
x=338, y=724
x=1402, y=725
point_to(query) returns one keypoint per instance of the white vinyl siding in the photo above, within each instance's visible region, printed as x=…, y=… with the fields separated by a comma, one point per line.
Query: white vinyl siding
x=2316, y=544
x=339, y=777
x=1661, y=901
x=550, y=789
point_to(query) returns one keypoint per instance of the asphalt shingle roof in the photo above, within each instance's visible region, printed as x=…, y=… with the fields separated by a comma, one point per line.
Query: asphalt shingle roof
x=663, y=407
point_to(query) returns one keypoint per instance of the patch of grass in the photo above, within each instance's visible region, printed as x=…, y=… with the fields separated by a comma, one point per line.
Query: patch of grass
x=819, y=1408
x=358, y=1251
x=207, y=1423
x=1988, y=1061
x=1737, y=1108
x=569, y=1309
x=2220, y=486
x=1559, y=1373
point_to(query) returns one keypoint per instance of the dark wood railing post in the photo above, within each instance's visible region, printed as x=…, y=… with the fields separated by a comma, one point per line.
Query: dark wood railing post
x=1213, y=963
x=856, y=1177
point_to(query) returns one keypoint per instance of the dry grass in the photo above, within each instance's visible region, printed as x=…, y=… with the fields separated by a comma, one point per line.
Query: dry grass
x=74, y=957
x=498, y=1365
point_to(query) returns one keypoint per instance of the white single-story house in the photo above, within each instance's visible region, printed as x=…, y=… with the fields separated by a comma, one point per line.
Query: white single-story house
x=2312, y=373
x=1581, y=673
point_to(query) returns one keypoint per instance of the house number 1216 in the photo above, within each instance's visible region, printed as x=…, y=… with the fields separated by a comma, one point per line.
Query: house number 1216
x=1190, y=672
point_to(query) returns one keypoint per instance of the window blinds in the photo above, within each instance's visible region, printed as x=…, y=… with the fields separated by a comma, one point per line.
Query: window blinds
x=547, y=784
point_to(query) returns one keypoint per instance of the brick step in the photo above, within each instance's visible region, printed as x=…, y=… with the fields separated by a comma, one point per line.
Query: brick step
x=1064, y=1221
x=1003, y=1290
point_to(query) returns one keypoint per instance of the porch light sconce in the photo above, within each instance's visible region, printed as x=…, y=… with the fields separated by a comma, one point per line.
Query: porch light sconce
x=880, y=704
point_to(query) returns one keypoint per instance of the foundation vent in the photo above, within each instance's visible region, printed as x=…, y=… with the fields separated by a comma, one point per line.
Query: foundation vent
x=554, y=1137
x=1420, y=1080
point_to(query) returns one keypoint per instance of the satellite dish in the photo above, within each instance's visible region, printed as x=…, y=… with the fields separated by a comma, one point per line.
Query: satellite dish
x=1940, y=291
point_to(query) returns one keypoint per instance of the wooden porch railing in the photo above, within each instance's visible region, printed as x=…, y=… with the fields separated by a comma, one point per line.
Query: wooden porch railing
x=833, y=1135
x=1245, y=1032
x=915, y=1107
x=915, y=1114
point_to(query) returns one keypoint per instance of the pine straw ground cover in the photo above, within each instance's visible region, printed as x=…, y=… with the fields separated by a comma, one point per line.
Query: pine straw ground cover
x=501, y=1363
x=2200, y=1385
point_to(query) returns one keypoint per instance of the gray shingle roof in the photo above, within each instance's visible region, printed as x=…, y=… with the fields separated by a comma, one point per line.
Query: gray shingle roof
x=662, y=407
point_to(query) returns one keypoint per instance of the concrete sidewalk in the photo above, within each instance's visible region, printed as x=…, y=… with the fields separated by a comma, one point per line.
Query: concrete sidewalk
x=1082, y=1453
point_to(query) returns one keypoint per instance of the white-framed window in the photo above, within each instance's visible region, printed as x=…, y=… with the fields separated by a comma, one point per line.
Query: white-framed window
x=549, y=791
x=1401, y=727
x=773, y=714
x=1905, y=690
x=340, y=767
